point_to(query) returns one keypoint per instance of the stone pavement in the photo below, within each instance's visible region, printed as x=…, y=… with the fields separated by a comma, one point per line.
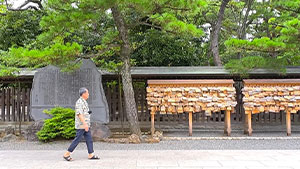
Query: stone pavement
x=152, y=159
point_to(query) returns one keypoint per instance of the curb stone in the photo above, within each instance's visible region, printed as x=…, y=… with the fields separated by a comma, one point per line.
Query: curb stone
x=231, y=138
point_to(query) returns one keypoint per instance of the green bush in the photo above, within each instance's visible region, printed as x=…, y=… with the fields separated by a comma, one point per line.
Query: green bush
x=61, y=125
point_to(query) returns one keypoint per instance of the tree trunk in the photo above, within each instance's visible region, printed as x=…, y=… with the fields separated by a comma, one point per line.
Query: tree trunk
x=130, y=105
x=266, y=20
x=216, y=32
x=242, y=31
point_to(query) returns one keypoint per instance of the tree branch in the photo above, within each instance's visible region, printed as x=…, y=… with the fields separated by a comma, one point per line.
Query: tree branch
x=159, y=7
x=233, y=13
x=88, y=56
x=177, y=9
x=24, y=9
x=40, y=4
x=21, y=7
x=151, y=25
x=288, y=9
x=261, y=50
x=249, y=22
x=109, y=46
x=24, y=4
x=155, y=26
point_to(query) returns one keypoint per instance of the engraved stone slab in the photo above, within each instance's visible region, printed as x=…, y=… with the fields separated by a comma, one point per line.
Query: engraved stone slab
x=52, y=88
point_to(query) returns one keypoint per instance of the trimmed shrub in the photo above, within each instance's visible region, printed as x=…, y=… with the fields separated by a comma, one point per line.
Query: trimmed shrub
x=61, y=125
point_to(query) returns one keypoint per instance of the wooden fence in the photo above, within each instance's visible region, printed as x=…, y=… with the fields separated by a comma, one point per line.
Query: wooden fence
x=15, y=106
x=117, y=114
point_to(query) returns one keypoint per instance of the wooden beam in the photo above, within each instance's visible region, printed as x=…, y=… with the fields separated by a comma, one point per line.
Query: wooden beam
x=271, y=81
x=190, y=82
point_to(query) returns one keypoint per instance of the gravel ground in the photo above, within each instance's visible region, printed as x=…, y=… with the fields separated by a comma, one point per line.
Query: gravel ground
x=164, y=145
x=199, y=141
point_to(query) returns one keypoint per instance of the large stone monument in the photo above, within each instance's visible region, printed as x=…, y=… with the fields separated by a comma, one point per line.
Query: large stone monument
x=52, y=88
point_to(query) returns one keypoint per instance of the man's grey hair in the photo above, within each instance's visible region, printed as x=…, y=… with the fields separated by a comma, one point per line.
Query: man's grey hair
x=82, y=90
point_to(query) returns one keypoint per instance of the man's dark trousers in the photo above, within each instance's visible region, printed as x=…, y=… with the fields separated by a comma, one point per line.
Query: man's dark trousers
x=77, y=139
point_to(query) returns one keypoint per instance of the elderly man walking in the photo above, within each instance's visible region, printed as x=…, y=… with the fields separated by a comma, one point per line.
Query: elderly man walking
x=82, y=126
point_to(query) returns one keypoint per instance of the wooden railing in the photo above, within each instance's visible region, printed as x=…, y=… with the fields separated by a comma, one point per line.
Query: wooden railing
x=191, y=96
x=271, y=96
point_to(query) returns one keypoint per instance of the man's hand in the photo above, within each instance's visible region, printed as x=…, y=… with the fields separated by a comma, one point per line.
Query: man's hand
x=86, y=127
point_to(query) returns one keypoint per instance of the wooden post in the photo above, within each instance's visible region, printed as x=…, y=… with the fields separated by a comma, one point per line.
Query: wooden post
x=246, y=124
x=190, y=123
x=8, y=92
x=23, y=105
x=227, y=129
x=13, y=104
x=249, y=131
x=288, y=123
x=2, y=92
x=28, y=103
x=225, y=123
x=152, y=123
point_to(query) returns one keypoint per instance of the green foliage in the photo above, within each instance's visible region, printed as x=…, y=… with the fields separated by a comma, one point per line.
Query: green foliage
x=172, y=16
x=161, y=33
x=276, y=39
x=58, y=54
x=19, y=28
x=16, y=84
x=61, y=125
x=246, y=64
x=109, y=49
x=263, y=44
x=156, y=48
x=170, y=23
x=7, y=63
x=2, y=7
x=72, y=29
x=168, y=18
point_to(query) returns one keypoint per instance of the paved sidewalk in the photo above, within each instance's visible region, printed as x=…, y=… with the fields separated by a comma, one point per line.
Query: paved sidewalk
x=153, y=159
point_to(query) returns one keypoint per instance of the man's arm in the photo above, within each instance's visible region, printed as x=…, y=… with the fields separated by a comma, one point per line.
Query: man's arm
x=82, y=119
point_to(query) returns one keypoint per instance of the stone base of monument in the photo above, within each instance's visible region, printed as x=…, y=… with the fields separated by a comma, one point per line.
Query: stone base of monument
x=100, y=131
x=30, y=132
x=135, y=139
